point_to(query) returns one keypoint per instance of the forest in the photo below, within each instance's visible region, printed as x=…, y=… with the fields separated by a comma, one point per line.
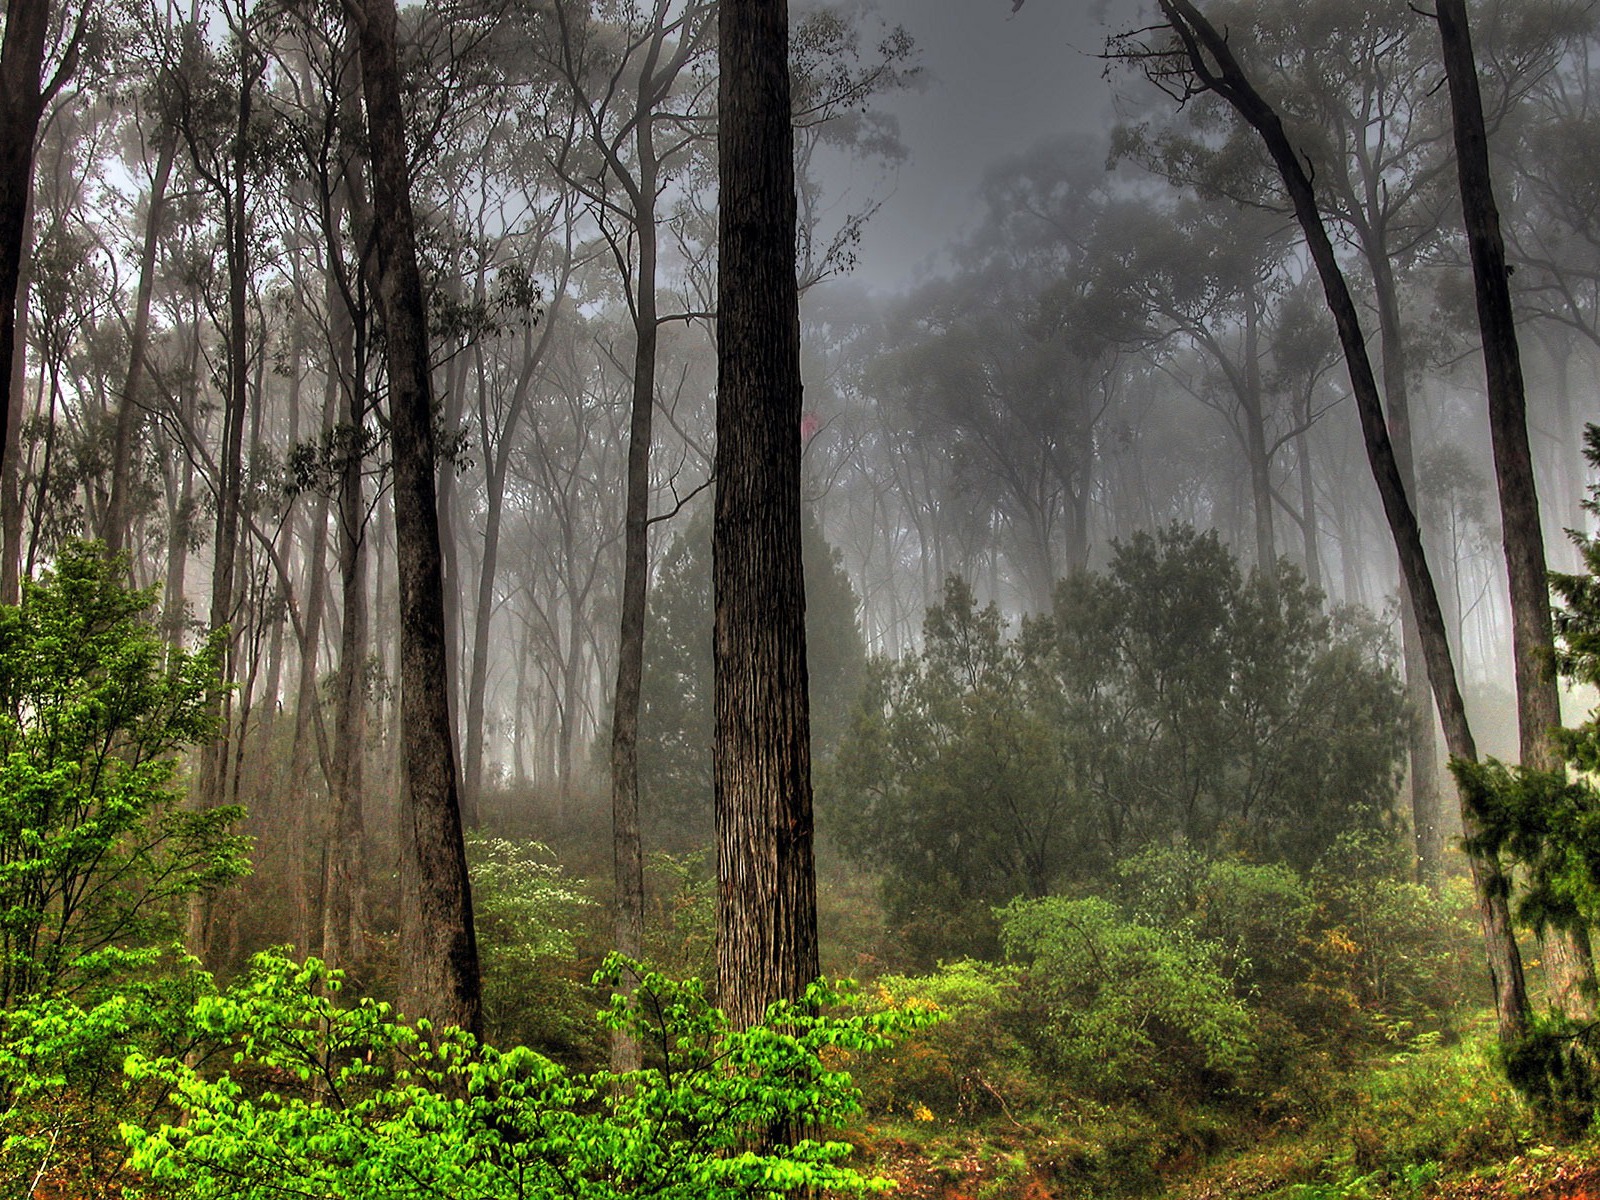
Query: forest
x=539, y=659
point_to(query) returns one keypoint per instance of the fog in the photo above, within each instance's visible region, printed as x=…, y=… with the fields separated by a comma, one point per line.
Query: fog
x=1126, y=668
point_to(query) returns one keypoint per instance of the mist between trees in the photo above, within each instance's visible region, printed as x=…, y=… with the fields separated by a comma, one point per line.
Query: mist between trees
x=1101, y=601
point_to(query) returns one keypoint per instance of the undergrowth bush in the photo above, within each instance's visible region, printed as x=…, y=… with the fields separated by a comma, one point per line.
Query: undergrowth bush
x=971, y=1064
x=349, y=1102
x=528, y=914
x=1124, y=1009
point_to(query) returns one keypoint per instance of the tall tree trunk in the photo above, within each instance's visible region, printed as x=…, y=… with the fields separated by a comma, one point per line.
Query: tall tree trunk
x=344, y=873
x=11, y=508
x=307, y=925
x=1569, y=963
x=439, y=944
x=627, y=843
x=215, y=756
x=23, y=96
x=1214, y=65
x=1427, y=824
x=115, y=531
x=1310, y=531
x=1255, y=431
x=626, y=840
x=766, y=874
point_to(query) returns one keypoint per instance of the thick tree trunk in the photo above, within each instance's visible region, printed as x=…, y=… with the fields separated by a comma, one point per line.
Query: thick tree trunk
x=1212, y=60
x=766, y=895
x=23, y=96
x=439, y=944
x=11, y=514
x=1569, y=963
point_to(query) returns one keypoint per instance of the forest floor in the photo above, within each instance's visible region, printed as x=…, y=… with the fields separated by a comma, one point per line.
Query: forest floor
x=1273, y=1172
x=1434, y=1122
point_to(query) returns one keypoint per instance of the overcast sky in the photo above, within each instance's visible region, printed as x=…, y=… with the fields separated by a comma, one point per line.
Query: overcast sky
x=996, y=83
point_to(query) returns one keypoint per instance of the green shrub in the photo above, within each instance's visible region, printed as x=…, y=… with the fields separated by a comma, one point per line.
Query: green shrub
x=1122, y=1008
x=351, y=1103
x=1449, y=1105
x=529, y=914
x=96, y=847
x=98, y=854
x=971, y=1064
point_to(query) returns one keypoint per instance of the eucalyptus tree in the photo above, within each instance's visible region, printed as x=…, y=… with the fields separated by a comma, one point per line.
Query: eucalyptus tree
x=1353, y=83
x=441, y=980
x=39, y=52
x=1532, y=632
x=1186, y=56
x=639, y=86
x=766, y=870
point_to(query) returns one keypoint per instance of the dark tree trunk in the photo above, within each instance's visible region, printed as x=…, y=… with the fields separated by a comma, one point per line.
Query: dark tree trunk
x=216, y=756
x=766, y=895
x=439, y=945
x=1569, y=963
x=23, y=96
x=11, y=508
x=1212, y=60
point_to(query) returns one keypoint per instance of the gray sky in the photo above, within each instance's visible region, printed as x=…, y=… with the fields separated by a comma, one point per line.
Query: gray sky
x=997, y=82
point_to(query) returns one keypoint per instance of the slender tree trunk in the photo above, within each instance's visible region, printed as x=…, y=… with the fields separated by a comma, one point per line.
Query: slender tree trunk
x=766, y=894
x=1568, y=960
x=307, y=702
x=626, y=839
x=452, y=576
x=438, y=941
x=1212, y=60
x=344, y=870
x=115, y=532
x=1310, y=532
x=1427, y=823
x=1255, y=430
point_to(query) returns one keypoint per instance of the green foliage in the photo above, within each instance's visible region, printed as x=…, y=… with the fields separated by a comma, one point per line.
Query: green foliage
x=1123, y=1008
x=972, y=1064
x=1167, y=700
x=95, y=846
x=349, y=1102
x=1553, y=1066
x=1258, y=916
x=1449, y=1105
x=1404, y=956
x=675, y=701
x=61, y=1071
x=97, y=852
x=955, y=785
x=528, y=915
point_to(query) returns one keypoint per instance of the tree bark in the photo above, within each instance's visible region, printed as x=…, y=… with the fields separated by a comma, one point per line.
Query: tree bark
x=1569, y=964
x=11, y=510
x=23, y=96
x=1213, y=63
x=766, y=910
x=439, y=945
